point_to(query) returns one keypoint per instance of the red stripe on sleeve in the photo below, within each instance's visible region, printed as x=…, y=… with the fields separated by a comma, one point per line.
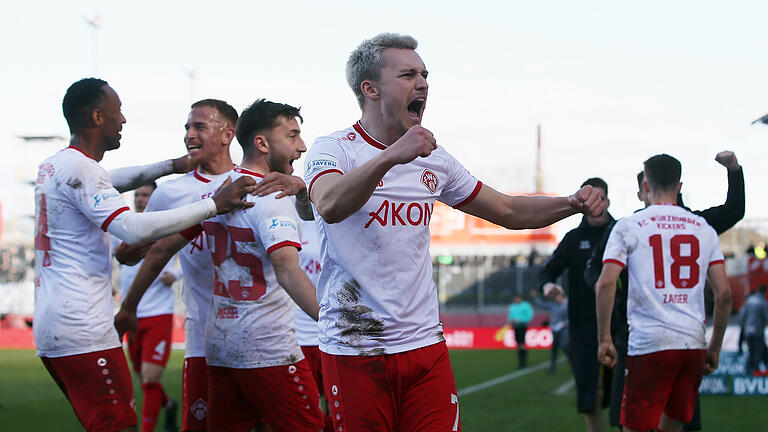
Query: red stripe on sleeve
x=192, y=232
x=613, y=261
x=471, y=196
x=283, y=244
x=112, y=217
x=719, y=261
x=309, y=188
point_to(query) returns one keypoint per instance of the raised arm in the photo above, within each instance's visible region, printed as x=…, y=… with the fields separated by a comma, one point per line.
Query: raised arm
x=725, y=216
x=158, y=256
x=527, y=212
x=290, y=276
x=723, y=302
x=605, y=295
x=130, y=178
x=338, y=196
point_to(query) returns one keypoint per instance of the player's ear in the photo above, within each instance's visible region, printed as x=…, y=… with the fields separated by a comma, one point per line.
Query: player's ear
x=260, y=143
x=369, y=90
x=97, y=117
x=229, y=135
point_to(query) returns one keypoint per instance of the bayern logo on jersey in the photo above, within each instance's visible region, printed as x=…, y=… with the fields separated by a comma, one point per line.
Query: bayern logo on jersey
x=429, y=179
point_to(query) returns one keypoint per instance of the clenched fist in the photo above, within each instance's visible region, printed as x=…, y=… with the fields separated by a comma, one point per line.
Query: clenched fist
x=588, y=200
x=418, y=141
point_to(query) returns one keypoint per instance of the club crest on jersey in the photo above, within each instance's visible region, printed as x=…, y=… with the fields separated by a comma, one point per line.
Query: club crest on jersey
x=429, y=179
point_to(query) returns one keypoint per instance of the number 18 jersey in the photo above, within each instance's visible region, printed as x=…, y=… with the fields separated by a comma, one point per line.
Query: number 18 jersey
x=667, y=251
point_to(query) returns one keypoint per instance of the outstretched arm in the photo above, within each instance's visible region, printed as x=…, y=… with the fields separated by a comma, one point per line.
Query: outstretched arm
x=291, y=277
x=723, y=302
x=130, y=178
x=526, y=212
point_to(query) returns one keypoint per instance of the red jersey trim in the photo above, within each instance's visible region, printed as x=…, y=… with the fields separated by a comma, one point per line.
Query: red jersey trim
x=247, y=171
x=613, y=261
x=718, y=261
x=471, y=196
x=369, y=139
x=283, y=244
x=200, y=177
x=666, y=204
x=112, y=217
x=81, y=151
x=309, y=188
x=192, y=232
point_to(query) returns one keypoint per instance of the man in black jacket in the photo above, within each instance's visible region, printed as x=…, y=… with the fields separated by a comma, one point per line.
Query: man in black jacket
x=572, y=254
x=721, y=218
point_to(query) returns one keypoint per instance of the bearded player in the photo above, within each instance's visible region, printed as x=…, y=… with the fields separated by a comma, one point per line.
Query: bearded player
x=373, y=186
x=78, y=206
x=669, y=253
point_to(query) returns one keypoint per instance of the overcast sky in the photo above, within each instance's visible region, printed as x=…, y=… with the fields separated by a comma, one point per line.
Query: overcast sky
x=611, y=83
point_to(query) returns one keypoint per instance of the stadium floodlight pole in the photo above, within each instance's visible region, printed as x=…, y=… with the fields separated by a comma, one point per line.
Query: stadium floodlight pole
x=763, y=120
x=95, y=22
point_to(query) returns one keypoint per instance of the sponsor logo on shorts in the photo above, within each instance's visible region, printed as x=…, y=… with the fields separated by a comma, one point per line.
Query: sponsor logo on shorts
x=281, y=222
x=101, y=361
x=429, y=179
x=103, y=196
x=199, y=409
x=159, y=351
x=334, y=390
x=291, y=369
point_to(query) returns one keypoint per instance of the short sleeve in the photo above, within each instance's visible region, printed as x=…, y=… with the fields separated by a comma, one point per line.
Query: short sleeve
x=275, y=222
x=325, y=156
x=91, y=191
x=716, y=256
x=461, y=187
x=620, y=244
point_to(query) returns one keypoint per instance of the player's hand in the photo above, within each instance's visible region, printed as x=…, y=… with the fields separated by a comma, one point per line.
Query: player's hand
x=286, y=184
x=551, y=290
x=167, y=278
x=418, y=141
x=185, y=164
x=588, y=200
x=606, y=354
x=712, y=361
x=125, y=320
x=230, y=194
x=130, y=255
x=727, y=159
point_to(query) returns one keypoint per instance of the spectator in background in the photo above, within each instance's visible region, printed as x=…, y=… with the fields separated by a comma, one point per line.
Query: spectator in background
x=558, y=323
x=520, y=314
x=754, y=317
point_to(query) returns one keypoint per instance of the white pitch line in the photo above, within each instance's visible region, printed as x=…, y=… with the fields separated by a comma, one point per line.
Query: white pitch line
x=504, y=378
x=565, y=388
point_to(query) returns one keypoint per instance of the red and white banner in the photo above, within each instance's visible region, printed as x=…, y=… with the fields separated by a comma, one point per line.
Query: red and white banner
x=495, y=338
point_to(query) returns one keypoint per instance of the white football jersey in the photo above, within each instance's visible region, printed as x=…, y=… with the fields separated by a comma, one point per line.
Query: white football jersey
x=667, y=251
x=74, y=204
x=250, y=319
x=195, y=257
x=375, y=289
x=309, y=259
x=158, y=299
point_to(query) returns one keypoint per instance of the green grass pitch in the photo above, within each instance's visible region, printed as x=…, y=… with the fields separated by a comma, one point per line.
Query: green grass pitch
x=31, y=401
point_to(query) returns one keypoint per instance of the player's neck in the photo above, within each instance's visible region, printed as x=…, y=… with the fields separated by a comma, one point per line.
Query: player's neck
x=217, y=165
x=379, y=128
x=663, y=198
x=89, y=146
x=258, y=164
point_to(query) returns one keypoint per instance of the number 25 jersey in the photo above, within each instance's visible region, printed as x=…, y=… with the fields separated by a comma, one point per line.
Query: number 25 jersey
x=667, y=251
